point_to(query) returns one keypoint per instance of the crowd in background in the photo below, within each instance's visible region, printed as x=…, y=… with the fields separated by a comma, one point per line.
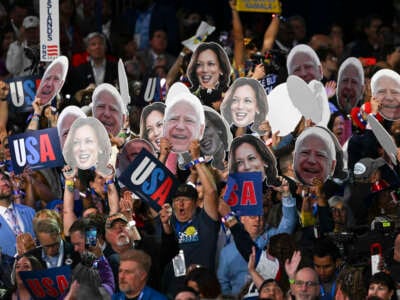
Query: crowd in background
x=312, y=240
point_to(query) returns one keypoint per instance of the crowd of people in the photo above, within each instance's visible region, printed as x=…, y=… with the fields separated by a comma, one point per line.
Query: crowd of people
x=326, y=170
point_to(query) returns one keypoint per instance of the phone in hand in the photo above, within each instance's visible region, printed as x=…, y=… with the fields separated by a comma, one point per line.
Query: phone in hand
x=90, y=237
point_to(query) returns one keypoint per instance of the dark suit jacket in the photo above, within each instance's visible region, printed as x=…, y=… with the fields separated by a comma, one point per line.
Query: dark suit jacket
x=68, y=253
x=80, y=77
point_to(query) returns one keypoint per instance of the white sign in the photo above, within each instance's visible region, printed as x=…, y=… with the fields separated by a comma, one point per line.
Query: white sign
x=49, y=30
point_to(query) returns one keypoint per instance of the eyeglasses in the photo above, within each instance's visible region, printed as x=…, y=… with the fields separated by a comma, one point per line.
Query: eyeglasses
x=306, y=283
x=56, y=244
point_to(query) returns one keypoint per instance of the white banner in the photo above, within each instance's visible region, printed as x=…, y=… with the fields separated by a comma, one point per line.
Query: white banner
x=49, y=30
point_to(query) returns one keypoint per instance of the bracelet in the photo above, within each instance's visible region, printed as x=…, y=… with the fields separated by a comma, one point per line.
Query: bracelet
x=35, y=118
x=69, y=182
x=36, y=115
x=194, y=162
x=183, y=54
x=109, y=182
x=291, y=281
x=228, y=217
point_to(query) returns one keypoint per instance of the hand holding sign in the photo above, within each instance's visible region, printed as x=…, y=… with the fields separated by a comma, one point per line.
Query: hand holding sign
x=283, y=188
x=4, y=90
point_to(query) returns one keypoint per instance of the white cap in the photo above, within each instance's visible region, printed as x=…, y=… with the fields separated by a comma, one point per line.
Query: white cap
x=30, y=22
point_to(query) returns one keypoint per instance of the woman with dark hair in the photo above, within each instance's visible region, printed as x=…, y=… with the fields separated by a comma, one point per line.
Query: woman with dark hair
x=337, y=124
x=209, y=73
x=245, y=104
x=383, y=286
x=249, y=154
x=151, y=123
x=203, y=281
x=87, y=145
x=22, y=263
x=350, y=283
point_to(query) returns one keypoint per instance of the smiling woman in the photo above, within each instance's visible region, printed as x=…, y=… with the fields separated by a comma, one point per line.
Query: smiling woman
x=245, y=104
x=87, y=144
x=249, y=154
x=209, y=72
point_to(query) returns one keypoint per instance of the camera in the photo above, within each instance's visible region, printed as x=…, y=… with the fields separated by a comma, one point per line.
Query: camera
x=272, y=60
x=90, y=237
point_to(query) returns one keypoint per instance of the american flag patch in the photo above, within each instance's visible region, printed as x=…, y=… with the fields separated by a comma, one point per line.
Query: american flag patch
x=52, y=50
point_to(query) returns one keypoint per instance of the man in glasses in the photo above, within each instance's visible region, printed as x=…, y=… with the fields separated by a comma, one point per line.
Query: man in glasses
x=306, y=284
x=54, y=251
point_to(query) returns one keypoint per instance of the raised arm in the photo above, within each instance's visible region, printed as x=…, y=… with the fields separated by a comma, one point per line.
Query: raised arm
x=210, y=193
x=4, y=90
x=112, y=193
x=68, y=208
x=238, y=37
x=37, y=112
x=270, y=34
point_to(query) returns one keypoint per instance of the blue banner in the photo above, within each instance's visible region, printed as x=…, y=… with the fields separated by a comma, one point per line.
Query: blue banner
x=149, y=179
x=37, y=149
x=22, y=92
x=47, y=284
x=244, y=193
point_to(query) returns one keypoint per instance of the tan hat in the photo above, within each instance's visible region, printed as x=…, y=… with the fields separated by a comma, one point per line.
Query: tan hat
x=113, y=218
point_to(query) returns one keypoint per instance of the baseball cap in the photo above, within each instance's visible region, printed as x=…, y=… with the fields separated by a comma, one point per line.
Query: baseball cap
x=113, y=218
x=30, y=22
x=186, y=190
x=364, y=168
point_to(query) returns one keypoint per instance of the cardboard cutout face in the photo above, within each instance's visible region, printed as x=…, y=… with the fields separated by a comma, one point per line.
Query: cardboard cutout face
x=209, y=67
x=385, y=87
x=108, y=108
x=184, y=119
x=65, y=120
x=87, y=145
x=217, y=137
x=53, y=80
x=283, y=116
x=130, y=150
x=302, y=61
x=151, y=123
x=350, y=85
x=245, y=103
x=314, y=156
x=249, y=154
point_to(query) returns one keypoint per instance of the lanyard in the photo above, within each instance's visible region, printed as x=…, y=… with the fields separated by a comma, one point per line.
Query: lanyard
x=333, y=289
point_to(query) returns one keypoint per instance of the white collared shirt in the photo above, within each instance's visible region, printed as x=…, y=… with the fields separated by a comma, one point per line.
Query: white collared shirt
x=19, y=220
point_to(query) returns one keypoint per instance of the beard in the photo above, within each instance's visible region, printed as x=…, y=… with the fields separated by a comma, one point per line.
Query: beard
x=122, y=239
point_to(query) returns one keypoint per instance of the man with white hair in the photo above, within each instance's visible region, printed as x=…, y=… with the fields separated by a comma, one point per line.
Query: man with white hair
x=108, y=108
x=302, y=61
x=385, y=87
x=350, y=84
x=314, y=156
x=184, y=118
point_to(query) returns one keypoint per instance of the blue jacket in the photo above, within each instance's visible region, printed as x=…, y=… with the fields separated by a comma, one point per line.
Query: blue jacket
x=232, y=270
x=7, y=236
